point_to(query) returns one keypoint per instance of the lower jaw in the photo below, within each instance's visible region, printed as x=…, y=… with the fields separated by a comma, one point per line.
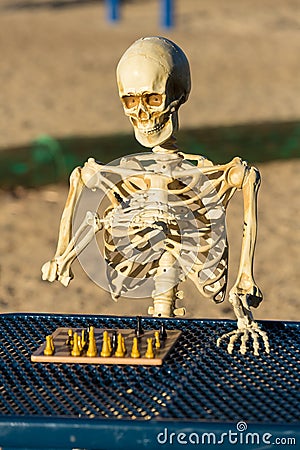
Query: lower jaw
x=157, y=138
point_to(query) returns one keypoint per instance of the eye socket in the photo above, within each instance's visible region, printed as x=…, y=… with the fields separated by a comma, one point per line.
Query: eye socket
x=154, y=99
x=130, y=101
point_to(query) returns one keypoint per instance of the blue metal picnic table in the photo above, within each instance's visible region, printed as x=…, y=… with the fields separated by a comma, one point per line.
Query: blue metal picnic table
x=201, y=395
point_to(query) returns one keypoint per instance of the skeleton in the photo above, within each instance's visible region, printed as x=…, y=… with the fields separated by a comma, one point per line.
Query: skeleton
x=166, y=209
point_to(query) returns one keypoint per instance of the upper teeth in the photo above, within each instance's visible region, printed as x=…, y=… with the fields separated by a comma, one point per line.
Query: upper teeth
x=157, y=128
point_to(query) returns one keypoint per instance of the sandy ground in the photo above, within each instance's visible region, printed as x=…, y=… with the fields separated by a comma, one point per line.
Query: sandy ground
x=57, y=65
x=57, y=77
x=29, y=225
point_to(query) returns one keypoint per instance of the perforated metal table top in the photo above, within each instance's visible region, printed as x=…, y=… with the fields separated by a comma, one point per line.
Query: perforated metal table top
x=200, y=388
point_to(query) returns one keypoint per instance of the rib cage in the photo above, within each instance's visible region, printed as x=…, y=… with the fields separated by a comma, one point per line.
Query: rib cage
x=189, y=224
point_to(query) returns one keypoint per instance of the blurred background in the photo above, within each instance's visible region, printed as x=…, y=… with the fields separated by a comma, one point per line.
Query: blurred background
x=59, y=105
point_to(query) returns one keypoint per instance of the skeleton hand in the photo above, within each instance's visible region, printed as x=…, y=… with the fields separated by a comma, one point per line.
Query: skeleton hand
x=252, y=330
x=51, y=271
x=242, y=300
x=59, y=268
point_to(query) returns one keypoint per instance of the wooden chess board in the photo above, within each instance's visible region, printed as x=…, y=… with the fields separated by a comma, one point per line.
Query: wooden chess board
x=62, y=350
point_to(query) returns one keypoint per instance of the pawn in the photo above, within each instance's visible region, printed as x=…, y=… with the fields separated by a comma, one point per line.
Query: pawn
x=109, y=343
x=149, y=352
x=69, y=341
x=79, y=343
x=75, y=349
x=135, y=349
x=92, y=348
x=52, y=343
x=114, y=340
x=123, y=345
x=120, y=347
x=49, y=348
x=163, y=332
x=157, y=339
x=105, y=351
x=139, y=329
x=83, y=339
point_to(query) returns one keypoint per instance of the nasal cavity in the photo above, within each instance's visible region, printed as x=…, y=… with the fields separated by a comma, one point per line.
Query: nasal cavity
x=143, y=115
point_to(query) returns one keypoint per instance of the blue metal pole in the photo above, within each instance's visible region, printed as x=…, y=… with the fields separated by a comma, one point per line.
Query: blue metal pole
x=113, y=10
x=167, y=9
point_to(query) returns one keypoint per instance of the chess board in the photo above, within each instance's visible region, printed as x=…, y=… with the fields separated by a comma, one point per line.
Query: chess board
x=62, y=350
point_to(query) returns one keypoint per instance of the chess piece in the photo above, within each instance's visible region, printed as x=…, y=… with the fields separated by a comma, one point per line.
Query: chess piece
x=69, y=341
x=83, y=339
x=139, y=329
x=105, y=351
x=149, y=352
x=79, y=343
x=49, y=348
x=92, y=348
x=163, y=332
x=157, y=339
x=123, y=345
x=75, y=349
x=52, y=342
x=109, y=343
x=120, y=352
x=135, y=353
x=114, y=341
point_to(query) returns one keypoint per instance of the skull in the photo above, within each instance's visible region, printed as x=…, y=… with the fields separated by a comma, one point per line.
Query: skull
x=153, y=78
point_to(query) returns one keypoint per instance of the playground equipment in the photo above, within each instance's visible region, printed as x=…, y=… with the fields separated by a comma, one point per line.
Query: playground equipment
x=166, y=7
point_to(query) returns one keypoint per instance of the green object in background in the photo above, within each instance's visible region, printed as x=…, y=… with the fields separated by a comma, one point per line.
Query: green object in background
x=252, y=142
x=47, y=154
x=49, y=160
